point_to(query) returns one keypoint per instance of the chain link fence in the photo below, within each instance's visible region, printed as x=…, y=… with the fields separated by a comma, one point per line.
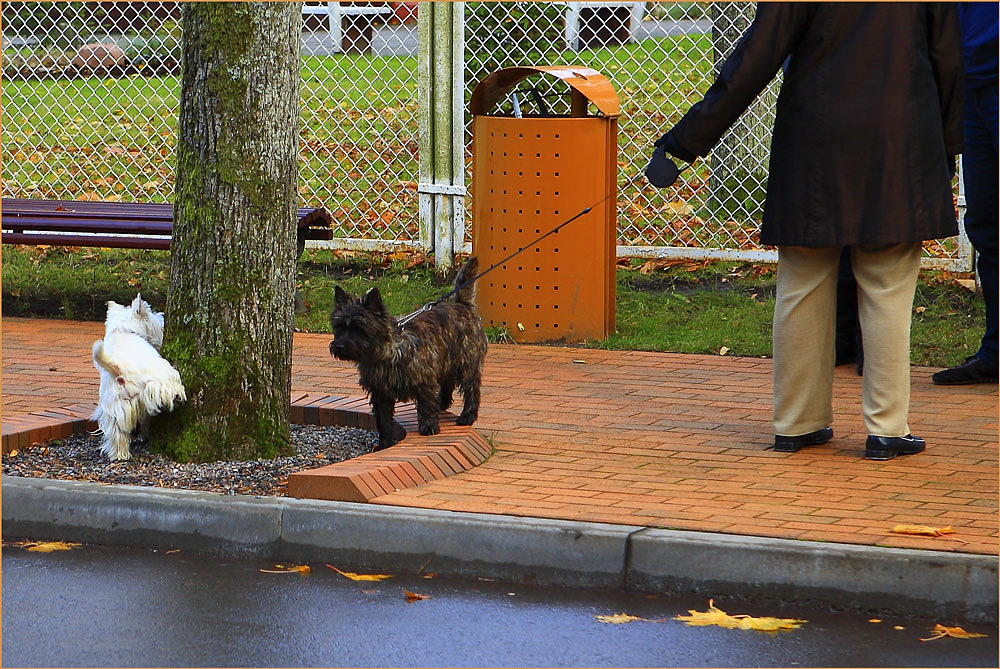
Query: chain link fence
x=91, y=96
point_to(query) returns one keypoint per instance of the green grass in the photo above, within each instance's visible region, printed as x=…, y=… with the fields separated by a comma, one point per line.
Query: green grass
x=680, y=307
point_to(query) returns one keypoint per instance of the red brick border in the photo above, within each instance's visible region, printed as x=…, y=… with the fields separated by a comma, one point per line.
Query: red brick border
x=414, y=461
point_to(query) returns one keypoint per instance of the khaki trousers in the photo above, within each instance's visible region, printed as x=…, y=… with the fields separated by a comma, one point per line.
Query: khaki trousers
x=804, y=326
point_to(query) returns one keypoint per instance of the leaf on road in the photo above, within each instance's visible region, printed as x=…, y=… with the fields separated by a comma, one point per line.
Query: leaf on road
x=940, y=631
x=875, y=620
x=293, y=569
x=619, y=619
x=360, y=577
x=716, y=616
x=415, y=596
x=50, y=546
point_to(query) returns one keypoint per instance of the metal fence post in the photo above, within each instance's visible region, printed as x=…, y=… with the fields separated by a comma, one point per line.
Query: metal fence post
x=441, y=103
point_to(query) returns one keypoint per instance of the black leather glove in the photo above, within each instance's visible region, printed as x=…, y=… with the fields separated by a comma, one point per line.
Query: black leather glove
x=661, y=171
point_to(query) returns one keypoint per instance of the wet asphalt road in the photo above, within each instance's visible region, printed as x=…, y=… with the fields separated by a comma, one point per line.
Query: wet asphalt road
x=101, y=607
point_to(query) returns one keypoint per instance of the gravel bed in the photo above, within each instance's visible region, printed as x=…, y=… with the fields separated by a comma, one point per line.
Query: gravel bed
x=79, y=458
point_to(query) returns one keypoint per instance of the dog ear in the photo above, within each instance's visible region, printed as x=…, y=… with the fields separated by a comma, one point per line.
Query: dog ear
x=373, y=301
x=139, y=307
x=341, y=296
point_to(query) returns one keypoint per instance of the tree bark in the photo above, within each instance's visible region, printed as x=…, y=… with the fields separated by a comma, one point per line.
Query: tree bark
x=232, y=268
x=740, y=159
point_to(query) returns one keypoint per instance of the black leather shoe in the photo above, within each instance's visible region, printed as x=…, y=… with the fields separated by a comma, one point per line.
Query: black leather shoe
x=886, y=448
x=973, y=370
x=784, y=444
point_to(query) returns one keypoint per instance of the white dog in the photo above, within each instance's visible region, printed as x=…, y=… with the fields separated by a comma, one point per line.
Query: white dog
x=136, y=383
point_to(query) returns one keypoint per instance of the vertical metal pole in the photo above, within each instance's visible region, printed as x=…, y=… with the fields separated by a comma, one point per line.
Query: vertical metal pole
x=425, y=153
x=441, y=100
x=966, y=261
x=458, y=122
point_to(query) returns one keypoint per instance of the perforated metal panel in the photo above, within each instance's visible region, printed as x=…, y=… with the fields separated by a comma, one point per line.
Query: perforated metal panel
x=530, y=175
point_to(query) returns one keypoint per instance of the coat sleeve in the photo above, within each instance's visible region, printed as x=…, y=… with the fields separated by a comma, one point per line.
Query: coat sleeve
x=945, y=49
x=755, y=61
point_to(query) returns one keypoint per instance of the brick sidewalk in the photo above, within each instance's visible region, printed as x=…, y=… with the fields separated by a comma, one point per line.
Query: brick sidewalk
x=655, y=439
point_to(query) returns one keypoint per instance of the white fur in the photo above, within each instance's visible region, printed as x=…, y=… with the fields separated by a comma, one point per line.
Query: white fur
x=136, y=383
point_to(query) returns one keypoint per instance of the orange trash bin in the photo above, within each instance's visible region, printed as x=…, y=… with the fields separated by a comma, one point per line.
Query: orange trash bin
x=529, y=174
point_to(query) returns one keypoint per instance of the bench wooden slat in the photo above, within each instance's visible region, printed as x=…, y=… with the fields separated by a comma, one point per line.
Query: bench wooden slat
x=151, y=243
x=122, y=226
x=34, y=222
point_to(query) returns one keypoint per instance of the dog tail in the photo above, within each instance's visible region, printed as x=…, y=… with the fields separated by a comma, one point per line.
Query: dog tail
x=464, y=281
x=160, y=394
x=102, y=361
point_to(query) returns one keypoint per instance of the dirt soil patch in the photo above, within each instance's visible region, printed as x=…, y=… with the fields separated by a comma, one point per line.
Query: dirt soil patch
x=79, y=458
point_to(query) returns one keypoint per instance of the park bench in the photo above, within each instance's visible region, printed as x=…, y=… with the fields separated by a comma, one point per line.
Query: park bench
x=128, y=225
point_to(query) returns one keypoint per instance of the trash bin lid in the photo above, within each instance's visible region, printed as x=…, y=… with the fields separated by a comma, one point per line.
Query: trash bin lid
x=591, y=83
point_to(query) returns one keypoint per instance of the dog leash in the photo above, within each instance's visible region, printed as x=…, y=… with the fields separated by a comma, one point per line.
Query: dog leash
x=430, y=305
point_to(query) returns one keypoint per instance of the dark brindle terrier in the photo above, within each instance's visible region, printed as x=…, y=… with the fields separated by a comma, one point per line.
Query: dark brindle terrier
x=438, y=351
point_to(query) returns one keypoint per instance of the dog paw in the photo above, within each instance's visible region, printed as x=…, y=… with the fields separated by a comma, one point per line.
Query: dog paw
x=465, y=420
x=428, y=430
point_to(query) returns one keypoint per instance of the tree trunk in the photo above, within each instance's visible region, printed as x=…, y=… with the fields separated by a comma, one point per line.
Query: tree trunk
x=740, y=160
x=232, y=267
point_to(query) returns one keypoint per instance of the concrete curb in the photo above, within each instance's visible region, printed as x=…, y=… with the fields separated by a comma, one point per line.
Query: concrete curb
x=366, y=536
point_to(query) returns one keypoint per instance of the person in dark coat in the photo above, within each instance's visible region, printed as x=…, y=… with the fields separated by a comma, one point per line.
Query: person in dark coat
x=868, y=124
x=979, y=171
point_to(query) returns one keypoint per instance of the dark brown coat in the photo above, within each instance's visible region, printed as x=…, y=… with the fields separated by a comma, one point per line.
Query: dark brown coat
x=868, y=119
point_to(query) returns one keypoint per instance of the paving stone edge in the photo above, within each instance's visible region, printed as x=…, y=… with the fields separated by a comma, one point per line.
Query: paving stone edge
x=955, y=586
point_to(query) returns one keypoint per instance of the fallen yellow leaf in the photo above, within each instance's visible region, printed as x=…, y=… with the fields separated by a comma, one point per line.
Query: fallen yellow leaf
x=940, y=631
x=294, y=569
x=724, y=350
x=716, y=616
x=360, y=577
x=414, y=596
x=898, y=627
x=875, y=620
x=925, y=530
x=618, y=619
x=50, y=546
x=12, y=453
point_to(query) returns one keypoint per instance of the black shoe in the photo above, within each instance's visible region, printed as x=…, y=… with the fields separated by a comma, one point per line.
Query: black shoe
x=793, y=444
x=973, y=370
x=886, y=448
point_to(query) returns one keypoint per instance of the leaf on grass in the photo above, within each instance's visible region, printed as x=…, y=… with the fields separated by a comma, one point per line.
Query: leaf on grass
x=360, y=577
x=619, y=619
x=724, y=350
x=940, y=631
x=50, y=546
x=716, y=616
x=922, y=530
x=415, y=596
x=294, y=569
